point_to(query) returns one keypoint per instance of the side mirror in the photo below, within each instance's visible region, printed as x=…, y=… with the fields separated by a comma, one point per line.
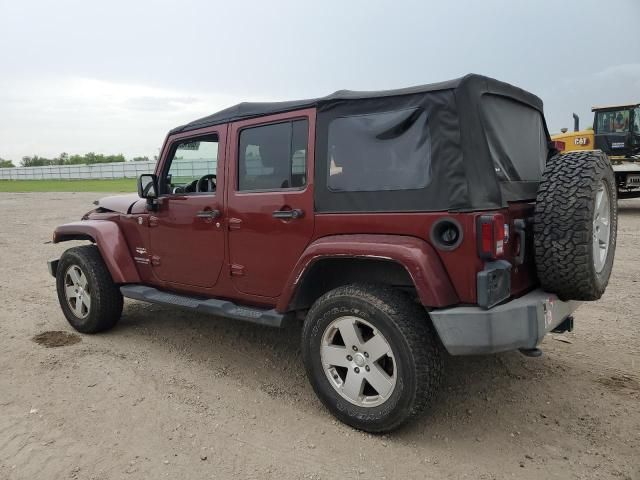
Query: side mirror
x=148, y=186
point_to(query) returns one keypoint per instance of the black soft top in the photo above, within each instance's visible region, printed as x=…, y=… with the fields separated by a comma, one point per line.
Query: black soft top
x=487, y=144
x=464, y=85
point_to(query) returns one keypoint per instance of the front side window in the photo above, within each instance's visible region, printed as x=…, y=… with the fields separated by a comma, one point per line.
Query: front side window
x=636, y=122
x=193, y=165
x=616, y=121
x=379, y=151
x=272, y=157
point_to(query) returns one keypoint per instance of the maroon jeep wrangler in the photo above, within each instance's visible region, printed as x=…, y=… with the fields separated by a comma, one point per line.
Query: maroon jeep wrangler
x=396, y=225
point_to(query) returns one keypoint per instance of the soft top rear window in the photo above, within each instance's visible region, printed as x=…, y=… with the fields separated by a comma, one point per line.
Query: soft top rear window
x=379, y=151
x=516, y=138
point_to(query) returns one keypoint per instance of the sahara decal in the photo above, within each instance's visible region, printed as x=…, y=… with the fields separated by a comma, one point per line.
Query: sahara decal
x=141, y=259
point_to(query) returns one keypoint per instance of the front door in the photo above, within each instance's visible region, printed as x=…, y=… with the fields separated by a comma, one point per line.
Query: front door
x=186, y=234
x=270, y=199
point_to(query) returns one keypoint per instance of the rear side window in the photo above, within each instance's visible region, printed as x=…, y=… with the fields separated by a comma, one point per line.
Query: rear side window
x=379, y=151
x=273, y=156
x=516, y=137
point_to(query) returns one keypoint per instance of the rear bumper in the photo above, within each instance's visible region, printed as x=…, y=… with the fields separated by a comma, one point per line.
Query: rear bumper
x=520, y=323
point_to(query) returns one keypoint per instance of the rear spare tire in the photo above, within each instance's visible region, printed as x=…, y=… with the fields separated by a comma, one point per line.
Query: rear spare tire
x=576, y=219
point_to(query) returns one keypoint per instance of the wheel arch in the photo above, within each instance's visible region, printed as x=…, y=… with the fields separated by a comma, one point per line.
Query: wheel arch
x=396, y=260
x=111, y=243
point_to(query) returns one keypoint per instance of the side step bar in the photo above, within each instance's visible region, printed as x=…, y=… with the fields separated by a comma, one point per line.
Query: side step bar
x=221, y=308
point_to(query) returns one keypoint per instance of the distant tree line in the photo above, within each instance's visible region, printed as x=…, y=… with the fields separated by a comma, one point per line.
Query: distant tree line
x=66, y=159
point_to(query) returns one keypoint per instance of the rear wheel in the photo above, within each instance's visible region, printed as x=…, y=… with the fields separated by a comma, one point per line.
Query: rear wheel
x=371, y=356
x=90, y=300
x=576, y=220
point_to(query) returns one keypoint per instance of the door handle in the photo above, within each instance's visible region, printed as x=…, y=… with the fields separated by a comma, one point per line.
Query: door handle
x=235, y=223
x=208, y=214
x=288, y=214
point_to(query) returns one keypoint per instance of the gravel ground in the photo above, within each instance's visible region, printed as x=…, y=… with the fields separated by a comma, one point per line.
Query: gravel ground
x=177, y=395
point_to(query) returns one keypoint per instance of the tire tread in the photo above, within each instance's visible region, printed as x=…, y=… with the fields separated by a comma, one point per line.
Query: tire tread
x=106, y=300
x=563, y=225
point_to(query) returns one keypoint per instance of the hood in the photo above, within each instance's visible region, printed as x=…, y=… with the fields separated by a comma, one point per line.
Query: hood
x=119, y=203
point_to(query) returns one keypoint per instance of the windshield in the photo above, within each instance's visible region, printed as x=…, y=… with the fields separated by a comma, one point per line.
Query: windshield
x=615, y=121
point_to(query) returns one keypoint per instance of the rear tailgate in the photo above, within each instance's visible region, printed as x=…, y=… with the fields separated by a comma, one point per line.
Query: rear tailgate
x=518, y=140
x=518, y=249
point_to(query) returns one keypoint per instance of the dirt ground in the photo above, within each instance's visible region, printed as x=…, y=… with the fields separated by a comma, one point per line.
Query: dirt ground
x=168, y=394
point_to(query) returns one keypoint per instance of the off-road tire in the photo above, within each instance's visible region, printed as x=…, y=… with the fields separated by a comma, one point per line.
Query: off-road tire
x=410, y=334
x=106, y=299
x=563, y=226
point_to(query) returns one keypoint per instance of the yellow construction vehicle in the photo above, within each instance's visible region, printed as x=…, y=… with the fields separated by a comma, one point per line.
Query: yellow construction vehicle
x=616, y=131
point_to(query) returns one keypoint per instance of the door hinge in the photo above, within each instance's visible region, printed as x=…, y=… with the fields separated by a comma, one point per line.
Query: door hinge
x=237, y=270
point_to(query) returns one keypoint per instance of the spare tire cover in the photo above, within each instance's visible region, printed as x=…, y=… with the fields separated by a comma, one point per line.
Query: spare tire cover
x=575, y=226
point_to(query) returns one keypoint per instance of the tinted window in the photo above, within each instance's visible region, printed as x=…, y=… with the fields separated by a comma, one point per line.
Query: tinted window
x=379, y=151
x=516, y=138
x=616, y=121
x=191, y=160
x=273, y=156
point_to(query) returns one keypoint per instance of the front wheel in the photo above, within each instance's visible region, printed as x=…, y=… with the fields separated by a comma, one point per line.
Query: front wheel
x=90, y=300
x=371, y=356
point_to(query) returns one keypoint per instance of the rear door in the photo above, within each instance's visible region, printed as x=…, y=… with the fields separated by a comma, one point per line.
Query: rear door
x=270, y=199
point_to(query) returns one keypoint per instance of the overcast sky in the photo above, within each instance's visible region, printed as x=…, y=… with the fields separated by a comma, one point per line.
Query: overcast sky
x=114, y=76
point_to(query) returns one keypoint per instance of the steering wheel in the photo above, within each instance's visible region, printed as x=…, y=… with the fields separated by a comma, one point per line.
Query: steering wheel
x=207, y=183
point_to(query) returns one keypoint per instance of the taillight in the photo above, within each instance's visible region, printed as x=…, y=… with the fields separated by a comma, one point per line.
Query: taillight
x=491, y=232
x=558, y=145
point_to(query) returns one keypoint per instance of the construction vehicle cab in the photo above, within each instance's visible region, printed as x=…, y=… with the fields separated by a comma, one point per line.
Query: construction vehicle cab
x=616, y=132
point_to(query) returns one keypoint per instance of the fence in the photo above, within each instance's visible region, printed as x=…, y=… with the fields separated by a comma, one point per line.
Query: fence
x=182, y=168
